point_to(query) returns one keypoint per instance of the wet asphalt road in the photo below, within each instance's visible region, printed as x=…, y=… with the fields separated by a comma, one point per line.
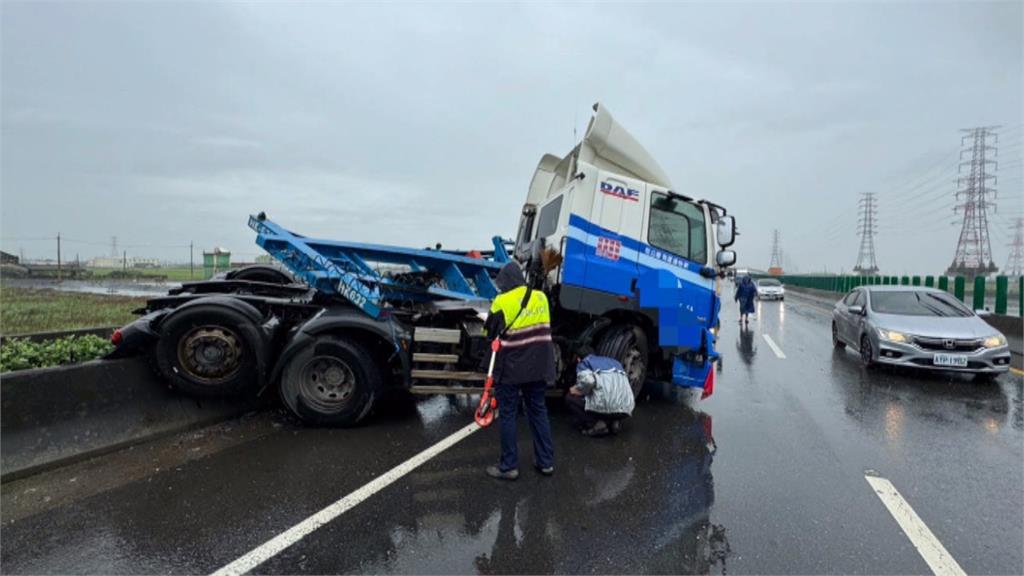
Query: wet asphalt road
x=767, y=476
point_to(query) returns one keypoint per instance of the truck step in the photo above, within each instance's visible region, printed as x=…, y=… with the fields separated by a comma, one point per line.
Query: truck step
x=439, y=335
x=453, y=390
x=442, y=358
x=448, y=375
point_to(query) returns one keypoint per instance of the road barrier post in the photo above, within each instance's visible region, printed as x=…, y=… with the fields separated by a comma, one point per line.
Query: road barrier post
x=979, y=293
x=1002, y=287
x=958, y=287
x=929, y=281
x=944, y=283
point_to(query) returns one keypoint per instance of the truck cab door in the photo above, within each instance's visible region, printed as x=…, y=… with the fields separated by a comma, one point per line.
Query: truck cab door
x=614, y=234
x=670, y=263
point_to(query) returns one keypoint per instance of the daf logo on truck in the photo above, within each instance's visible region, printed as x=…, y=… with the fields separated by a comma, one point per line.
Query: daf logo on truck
x=620, y=191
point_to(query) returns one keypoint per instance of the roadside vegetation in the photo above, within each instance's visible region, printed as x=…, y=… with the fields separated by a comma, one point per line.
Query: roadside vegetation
x=19, y=354
x=179, y=274
x=28, y=310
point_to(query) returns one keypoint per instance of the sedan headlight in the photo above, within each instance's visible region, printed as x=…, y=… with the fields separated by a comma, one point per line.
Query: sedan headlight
x=893, y=336
x=994, y=341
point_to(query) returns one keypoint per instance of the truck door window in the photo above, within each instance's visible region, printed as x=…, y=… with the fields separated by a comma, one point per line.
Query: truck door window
x=548, y=222
x=678, y=227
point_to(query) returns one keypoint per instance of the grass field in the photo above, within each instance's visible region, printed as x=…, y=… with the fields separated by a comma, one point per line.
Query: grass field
x=26, y=310
x=172, y=274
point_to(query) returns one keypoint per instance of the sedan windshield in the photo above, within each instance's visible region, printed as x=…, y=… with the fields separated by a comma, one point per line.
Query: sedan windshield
x=769, y=282
x=917, y=304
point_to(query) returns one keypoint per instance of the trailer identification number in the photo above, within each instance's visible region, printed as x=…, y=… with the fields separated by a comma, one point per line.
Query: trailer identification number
x=351, y=293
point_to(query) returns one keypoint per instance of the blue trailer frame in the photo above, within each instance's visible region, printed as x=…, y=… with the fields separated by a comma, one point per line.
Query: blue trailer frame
x=346, y=268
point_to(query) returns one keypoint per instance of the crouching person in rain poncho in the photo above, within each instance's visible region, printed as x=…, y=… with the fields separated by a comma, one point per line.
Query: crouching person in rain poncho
x=602, y=396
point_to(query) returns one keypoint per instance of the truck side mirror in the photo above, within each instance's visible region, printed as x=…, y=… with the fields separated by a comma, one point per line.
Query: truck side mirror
x=726, y=232
x=725, y=258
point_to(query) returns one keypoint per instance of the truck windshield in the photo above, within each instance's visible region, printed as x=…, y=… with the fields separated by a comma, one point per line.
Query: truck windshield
x=677, y=226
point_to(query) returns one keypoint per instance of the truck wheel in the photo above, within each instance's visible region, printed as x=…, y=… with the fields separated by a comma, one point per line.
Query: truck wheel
x=333, y=381
x=628, y=345
x=267, y=274
x=209, y=351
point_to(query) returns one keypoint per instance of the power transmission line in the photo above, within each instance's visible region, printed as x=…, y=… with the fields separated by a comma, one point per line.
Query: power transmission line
x=866, y=263
x=1015, y=261
x=974, y=249
x=776, y=261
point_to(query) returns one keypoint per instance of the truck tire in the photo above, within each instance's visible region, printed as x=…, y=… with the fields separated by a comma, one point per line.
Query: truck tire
x=259, y=273
x=628, y=345
x=332, y=382
x=209, y=351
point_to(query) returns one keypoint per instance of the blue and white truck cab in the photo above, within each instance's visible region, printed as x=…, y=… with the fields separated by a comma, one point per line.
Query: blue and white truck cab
x=639, y=262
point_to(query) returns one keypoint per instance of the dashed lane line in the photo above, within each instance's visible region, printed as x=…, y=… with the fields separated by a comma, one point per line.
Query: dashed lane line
x=275, y=545
x=775, y=347
x=928, y=546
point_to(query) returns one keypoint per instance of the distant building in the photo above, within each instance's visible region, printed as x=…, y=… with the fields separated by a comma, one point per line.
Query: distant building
x=215, y=262
x=6, y=258
x=265, y=259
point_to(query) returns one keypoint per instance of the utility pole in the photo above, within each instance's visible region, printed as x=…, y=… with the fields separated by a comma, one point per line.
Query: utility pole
x=775, y=266
x=974, y=249
x=1015, y=261
x=124, y=262
x=59, y=272
x=113, y=247
x=866, y=263
x=191, y=262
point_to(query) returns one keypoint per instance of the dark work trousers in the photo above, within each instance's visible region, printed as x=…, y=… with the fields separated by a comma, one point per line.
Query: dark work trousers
x=578, y=407
x=536, y=413
x=582, y=418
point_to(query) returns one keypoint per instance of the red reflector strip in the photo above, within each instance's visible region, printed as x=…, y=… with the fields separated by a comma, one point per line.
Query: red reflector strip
x=116, y=337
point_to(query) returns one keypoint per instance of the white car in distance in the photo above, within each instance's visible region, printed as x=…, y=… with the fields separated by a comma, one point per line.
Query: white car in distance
x=770, y=289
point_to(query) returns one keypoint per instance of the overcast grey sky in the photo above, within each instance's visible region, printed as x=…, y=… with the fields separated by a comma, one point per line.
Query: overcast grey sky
x=165, y=123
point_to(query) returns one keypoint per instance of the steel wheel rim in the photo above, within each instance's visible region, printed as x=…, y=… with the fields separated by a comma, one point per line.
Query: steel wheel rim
x=211, y=354
x=327, y=383
x=633, y=365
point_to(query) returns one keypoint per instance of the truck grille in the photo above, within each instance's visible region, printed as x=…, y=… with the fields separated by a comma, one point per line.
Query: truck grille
x=948, y=344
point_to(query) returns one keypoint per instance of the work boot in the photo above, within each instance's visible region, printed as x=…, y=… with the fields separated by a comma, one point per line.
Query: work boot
x=495, y=472
x=549, y=471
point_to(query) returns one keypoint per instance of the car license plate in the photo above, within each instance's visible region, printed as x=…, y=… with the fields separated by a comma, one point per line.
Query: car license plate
x=950, y=360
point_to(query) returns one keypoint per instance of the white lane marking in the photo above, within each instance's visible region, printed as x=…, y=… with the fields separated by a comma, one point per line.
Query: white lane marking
x=928, y=546
x=775, y=347
x=275, y=545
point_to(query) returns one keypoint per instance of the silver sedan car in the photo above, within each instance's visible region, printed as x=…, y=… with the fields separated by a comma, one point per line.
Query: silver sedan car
x=917, y=327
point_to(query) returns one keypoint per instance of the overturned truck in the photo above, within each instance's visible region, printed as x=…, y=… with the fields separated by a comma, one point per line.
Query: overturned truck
x=630, y=267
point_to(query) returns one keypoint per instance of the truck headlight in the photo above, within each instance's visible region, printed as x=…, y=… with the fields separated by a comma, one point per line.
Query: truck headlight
x=893, y=336
x=994, y=341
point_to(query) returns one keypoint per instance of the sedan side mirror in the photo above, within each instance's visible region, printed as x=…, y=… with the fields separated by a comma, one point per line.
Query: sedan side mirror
x=725, y=258
x=726, y=232
x=856, y=310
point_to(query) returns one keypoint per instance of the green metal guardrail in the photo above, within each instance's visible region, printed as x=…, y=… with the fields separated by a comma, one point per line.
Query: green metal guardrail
x=982, y=287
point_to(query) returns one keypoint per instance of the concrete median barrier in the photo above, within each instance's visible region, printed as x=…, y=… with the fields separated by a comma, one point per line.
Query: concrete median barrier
x=54, y=416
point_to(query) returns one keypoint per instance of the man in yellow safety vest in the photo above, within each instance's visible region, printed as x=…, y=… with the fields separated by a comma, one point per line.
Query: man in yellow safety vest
x=524, y=368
